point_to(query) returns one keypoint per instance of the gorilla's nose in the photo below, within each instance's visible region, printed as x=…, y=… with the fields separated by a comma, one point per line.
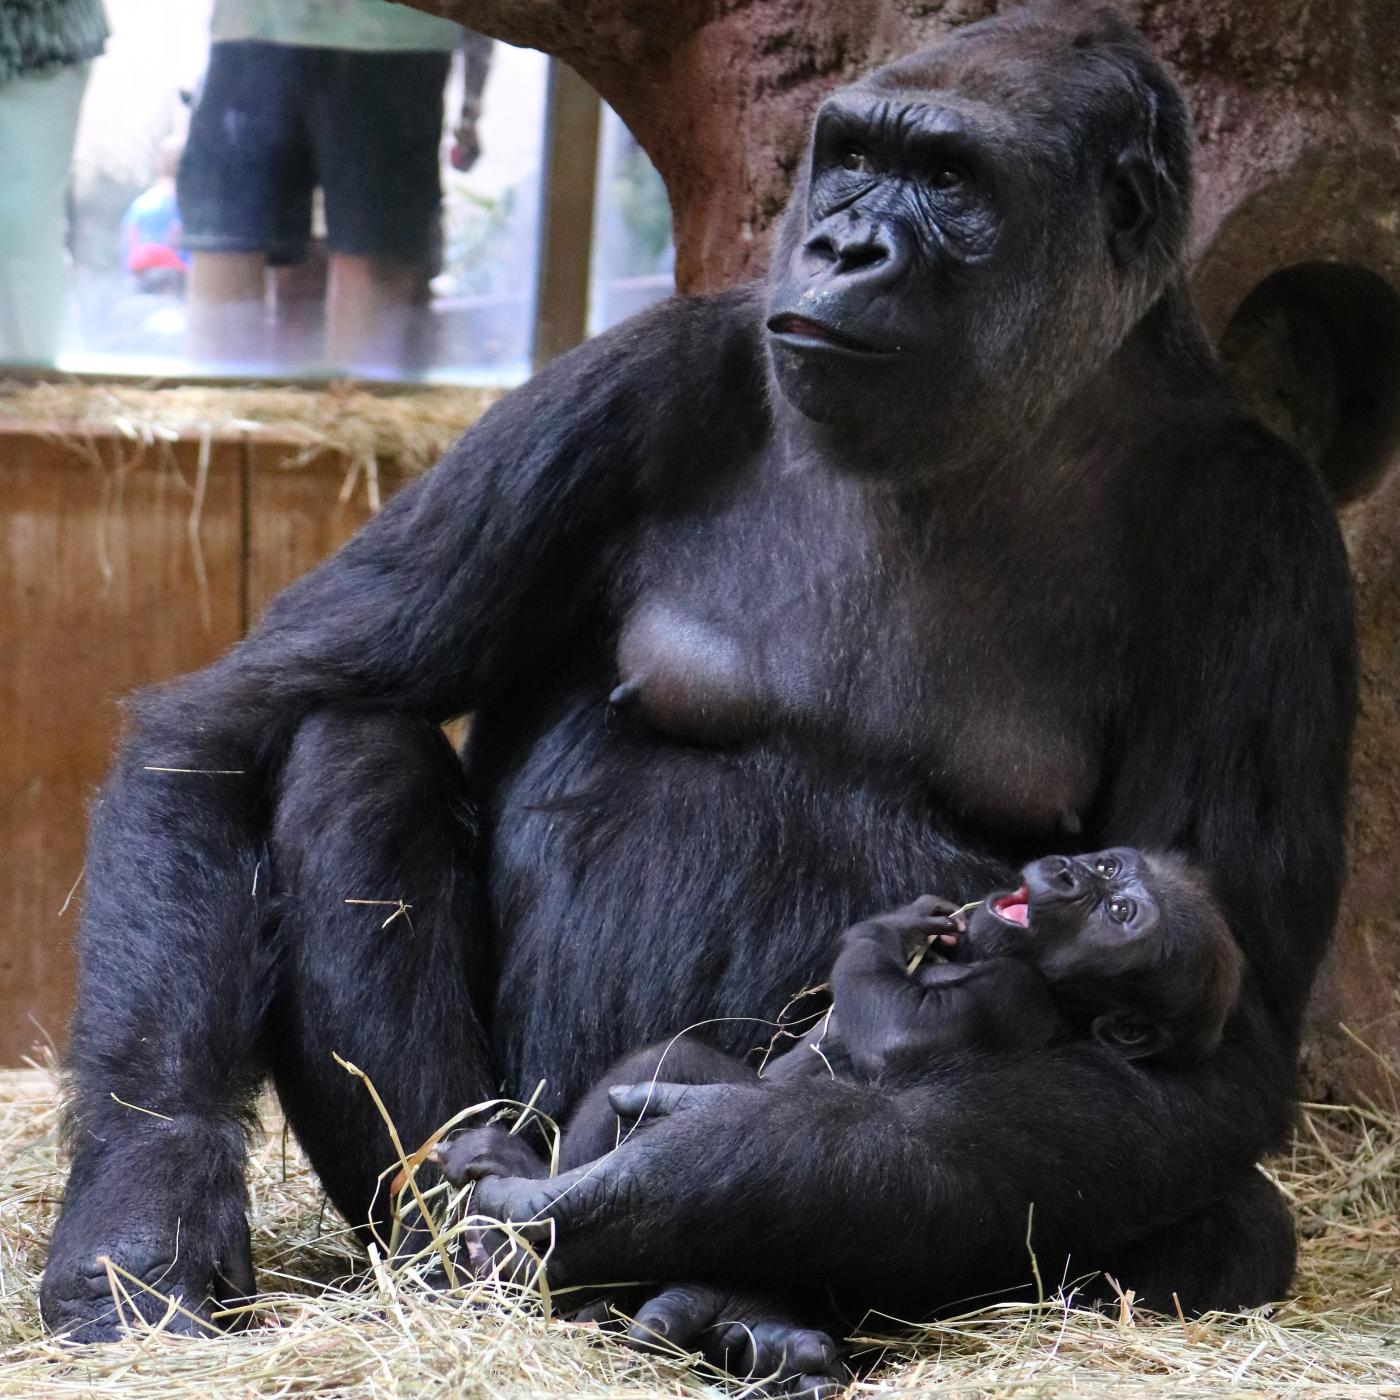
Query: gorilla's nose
x=855, y=247
x=1057, y=876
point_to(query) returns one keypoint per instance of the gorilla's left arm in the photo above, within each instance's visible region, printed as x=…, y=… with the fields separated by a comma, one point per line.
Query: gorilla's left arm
x=1233, y=745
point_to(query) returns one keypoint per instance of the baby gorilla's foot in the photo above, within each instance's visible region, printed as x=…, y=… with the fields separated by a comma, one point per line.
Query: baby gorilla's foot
x=488, y=1151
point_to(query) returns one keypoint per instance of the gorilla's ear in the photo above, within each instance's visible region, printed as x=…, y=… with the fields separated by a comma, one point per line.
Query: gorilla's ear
x=1130, y=1036
x=1129, y=207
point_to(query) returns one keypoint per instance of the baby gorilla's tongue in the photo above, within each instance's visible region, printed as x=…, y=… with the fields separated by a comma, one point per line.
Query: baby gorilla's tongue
x=1015, y=907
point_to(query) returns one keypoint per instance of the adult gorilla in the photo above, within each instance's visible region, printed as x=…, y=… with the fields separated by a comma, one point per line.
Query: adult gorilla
x=945, y=549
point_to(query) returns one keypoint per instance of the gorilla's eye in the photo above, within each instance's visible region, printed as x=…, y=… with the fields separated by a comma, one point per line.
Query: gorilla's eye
x=856, y=160
x=1108, y=866
x=946, y=177
x=1120, y=910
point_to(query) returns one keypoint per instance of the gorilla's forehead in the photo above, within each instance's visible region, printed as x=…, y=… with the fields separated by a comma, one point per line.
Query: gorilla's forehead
x=1036, y=72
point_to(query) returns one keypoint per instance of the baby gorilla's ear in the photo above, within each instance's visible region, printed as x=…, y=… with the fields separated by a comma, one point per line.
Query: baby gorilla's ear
x=1130, y=1035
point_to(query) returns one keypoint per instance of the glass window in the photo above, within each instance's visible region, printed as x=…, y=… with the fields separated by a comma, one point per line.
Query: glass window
x=351, y=277
x=634, y=257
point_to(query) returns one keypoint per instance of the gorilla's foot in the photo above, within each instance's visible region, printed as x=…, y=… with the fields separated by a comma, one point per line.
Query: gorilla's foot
x=129, y=1253
x=491, y=1150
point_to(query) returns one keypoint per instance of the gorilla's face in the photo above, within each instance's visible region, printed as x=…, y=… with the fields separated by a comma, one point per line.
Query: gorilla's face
x=905, y=242
x=963, y=249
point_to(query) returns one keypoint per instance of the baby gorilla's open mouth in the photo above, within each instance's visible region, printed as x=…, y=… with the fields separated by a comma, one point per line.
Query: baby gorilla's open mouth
x=1013, y=908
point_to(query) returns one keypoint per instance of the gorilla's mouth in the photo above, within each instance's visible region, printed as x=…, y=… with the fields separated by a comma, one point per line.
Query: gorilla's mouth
x=805, y=333
x=1013, y=908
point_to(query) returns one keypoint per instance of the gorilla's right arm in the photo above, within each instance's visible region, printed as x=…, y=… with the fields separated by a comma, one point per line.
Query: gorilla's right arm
x=932, y=1185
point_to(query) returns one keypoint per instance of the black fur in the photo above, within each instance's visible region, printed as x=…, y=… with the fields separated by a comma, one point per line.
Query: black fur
x=884, y=621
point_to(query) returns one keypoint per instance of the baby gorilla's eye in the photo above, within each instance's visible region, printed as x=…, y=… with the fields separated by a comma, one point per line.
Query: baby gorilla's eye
x=855, y=159
x=1120, y=910
x=1108, y=866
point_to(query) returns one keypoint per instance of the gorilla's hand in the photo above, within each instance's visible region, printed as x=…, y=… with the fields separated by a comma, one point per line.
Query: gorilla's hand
x=598, y=1219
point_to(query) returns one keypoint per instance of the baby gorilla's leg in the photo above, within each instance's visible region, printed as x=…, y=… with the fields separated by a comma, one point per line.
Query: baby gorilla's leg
x=594, y=1127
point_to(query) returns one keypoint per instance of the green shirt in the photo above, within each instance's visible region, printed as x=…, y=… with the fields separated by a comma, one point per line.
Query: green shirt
x=333, y=24
x=39, y=34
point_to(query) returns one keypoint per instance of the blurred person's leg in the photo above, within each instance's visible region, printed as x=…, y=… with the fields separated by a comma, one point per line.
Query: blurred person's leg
x=226, y=308
x=38, y=125
x=377, y=129
x=244, y=187
x=371, y=304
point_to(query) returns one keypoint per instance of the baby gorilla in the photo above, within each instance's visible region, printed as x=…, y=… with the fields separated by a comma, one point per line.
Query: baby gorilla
x=1123, y=946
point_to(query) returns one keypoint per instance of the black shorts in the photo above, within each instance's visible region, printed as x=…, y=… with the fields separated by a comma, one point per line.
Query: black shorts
x=274, y=121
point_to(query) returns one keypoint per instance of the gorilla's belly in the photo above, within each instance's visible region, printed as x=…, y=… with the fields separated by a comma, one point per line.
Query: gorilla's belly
x=639, y=887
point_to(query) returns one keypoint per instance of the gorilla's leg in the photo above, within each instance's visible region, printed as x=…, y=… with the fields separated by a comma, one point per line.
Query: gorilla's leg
x=1237, y=1253
x=380, y=937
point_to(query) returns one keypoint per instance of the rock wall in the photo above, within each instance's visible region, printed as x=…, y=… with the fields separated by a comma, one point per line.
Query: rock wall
x=1296, y=265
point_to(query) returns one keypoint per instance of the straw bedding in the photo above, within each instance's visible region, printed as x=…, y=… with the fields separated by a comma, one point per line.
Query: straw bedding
x=331, y=1324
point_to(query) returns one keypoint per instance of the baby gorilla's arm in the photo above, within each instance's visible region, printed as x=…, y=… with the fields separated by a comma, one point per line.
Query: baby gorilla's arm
x=883, y=1013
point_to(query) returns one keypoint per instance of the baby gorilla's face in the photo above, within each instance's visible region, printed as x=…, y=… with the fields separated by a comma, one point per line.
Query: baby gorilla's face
x=1101, y=907
x=1132, y=941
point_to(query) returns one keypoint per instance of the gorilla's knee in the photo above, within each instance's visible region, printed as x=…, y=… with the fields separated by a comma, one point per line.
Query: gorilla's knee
x=1237, y=1253
x=373, y=775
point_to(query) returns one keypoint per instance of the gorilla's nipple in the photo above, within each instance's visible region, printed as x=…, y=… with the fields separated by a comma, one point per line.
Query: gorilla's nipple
x=691, y=679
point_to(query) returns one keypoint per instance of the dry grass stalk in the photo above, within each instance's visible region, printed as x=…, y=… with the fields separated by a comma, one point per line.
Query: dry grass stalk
x=334, y=1324
x=409, y=427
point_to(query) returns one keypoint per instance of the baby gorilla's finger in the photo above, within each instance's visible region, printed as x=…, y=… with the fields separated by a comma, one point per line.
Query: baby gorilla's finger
x=604, y=1311
x=514, y=1256
x=929, y=906
x=651, y=1099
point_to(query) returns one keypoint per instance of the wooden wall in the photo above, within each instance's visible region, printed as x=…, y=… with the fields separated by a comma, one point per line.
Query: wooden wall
x=118, y=569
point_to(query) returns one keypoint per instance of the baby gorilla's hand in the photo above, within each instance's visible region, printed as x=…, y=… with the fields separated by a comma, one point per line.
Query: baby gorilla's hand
x=927, y=920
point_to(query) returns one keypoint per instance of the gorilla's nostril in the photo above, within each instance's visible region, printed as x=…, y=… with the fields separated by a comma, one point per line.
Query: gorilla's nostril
x=854, y=256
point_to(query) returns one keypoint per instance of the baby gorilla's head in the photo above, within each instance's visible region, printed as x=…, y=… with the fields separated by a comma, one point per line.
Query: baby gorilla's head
x=1134, y=941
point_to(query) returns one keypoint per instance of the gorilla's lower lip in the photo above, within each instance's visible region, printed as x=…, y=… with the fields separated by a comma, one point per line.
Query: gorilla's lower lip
x=805, y=333
x=1013, y=908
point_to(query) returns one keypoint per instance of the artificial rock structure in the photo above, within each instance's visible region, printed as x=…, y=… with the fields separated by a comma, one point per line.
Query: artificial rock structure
x=1296, y=267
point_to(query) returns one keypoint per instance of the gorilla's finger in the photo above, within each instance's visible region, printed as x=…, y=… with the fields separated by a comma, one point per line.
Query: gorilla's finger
x=651, y=1099
x=674, y=1318
x=783, y=1350
x=513, y=1198
x=771, y=1348
x=813, y=1387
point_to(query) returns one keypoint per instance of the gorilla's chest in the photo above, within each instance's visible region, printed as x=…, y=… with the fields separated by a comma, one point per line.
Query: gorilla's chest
x=811, y=616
